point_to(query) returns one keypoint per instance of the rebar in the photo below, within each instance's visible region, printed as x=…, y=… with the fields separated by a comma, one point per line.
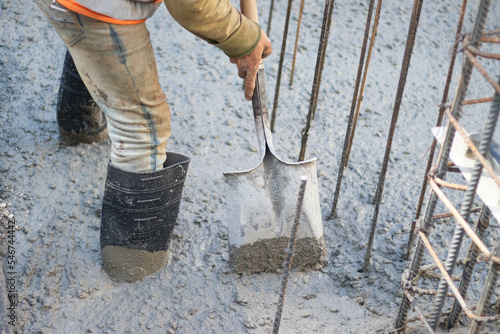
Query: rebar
x=438, y=123
x=269, y=20
x=419, y=312
x=453, y=288
x=476, y=101
x=487, y=292
x=470, y=263
x=443, y=158
x=465, y=225
x=412, y=32
x=322, y=62
x=353, y=115
x=280, y=67
x=456, y=243
x=290, y=253
x=486, y=164
x=323, y=41
x=296, y=47
x=365, y=75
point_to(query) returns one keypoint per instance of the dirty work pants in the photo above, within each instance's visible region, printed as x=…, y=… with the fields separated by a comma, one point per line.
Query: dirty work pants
x=117, y=64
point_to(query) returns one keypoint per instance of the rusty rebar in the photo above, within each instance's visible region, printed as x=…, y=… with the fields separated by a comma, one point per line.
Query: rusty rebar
x=444, y=153
x=322, y=63
x=365, y=75
x=280, y=67
x=438, y=123
x=323, y=41
x=290, y=253
x=453, y=288
x=442, y=183
x=477, y=101
x=351, y=123
x=472, y=255
x=473, y=148
x=463, y=223
x=410, y=42
x=458, y=234
x=449, y=214
x=487, y=292
x=420, y=314
x=269, y=20
x=296, y=47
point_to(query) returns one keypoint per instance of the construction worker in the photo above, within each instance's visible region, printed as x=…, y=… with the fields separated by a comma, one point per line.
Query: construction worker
x=109, y=43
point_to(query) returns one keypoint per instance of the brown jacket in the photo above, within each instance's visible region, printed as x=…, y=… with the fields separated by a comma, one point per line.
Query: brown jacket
x=215, y=21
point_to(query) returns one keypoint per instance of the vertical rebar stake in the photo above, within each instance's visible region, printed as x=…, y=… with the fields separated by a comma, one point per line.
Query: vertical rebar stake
x=410, y=42
x=271, y=8
x=323, y=41
x=280, y=67
x=290, y=252
x=299, y=22
x=430, y=159
x=350, y=122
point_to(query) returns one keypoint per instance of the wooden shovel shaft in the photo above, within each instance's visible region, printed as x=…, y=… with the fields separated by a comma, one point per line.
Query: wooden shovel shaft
x=249, y=9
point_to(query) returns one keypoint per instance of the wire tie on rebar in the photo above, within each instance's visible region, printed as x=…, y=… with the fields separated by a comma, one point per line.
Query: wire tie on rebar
x=443, y=105
x=420, y=226
x=289, y=251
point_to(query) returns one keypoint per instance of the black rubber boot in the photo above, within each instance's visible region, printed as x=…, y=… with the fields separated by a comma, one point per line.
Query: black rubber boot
x=79, y=118
x=139, y=212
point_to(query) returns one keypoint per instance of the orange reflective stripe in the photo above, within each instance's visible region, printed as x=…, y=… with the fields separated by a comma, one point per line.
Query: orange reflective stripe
x=76, y=7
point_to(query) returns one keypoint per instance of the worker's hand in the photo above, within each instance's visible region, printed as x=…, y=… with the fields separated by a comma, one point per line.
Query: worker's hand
x=248, y=66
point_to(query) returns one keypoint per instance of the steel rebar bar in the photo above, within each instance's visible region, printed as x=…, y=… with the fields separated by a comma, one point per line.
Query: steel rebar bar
x=443, y=158
x=487, y=292
x=453, y=288
x=482, y=225
x=322, y=61
x=446, y=90
x=280, y=67
x=468, y=201
x=296, y=47
x=352, y=116
x=290, y=252
x=410, y=42
x=269, y=20
x=365, y=75
x=323, y=41
x=420, y=314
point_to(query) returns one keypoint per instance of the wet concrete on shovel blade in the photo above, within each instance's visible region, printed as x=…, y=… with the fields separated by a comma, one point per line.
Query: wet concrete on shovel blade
x=267, y=255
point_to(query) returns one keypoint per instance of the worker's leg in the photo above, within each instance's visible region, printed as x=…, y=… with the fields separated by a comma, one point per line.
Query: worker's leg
x=143, y=188
x=79, y=118
x=117, y=64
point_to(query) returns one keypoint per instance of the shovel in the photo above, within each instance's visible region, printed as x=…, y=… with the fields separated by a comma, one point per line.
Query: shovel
x=261, y=200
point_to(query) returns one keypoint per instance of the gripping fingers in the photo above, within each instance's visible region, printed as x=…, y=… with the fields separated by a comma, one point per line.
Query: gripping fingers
x=249, y=84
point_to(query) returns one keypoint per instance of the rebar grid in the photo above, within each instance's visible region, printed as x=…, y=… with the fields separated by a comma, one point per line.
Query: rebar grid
x=446, y=90
x=478, y=251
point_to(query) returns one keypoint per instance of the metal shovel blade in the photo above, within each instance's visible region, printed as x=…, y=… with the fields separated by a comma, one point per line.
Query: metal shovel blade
x=261, y=205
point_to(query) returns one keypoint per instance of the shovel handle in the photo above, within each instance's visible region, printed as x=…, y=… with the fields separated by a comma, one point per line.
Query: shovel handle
x=249, y=9
x=259, y=100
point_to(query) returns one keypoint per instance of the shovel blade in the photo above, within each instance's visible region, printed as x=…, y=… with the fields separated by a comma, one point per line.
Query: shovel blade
x=260, y=208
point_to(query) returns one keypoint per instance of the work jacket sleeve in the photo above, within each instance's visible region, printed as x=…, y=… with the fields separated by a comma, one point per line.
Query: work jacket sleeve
x=217, y=22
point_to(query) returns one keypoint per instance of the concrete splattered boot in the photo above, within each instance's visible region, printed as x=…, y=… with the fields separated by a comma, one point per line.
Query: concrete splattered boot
x=79, y=118
x=139, y=212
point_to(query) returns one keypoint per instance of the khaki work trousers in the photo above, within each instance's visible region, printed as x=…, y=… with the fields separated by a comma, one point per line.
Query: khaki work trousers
x=117, y=64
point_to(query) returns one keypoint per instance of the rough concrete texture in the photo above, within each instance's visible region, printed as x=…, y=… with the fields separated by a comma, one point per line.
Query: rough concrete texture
x=54, y=192
x=267, y=255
